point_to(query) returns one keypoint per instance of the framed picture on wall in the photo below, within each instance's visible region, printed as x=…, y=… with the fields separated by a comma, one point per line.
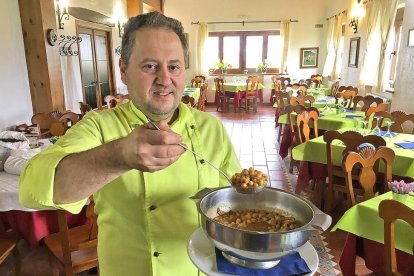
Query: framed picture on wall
x=353, y=52
x=309, y=57
x=411, y=37
x=187, y=58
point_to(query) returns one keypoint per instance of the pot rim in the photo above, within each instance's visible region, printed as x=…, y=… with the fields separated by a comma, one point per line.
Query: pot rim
x=304, y=227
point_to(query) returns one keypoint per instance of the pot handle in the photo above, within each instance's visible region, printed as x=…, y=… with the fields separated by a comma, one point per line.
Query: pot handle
x=320, y=220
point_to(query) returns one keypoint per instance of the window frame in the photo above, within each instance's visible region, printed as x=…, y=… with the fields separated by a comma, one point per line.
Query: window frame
x=242, y=53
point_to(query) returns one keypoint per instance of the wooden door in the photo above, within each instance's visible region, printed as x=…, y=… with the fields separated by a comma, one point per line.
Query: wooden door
x=96, y=65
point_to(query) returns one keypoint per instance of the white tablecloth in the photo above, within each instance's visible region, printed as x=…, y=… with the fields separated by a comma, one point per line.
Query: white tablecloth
x=9, y=193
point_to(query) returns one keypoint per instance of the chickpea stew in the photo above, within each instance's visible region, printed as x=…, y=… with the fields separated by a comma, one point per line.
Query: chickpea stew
x=258, y=220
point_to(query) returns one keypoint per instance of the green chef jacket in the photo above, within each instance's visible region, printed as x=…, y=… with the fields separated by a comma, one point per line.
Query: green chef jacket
x=145, y=219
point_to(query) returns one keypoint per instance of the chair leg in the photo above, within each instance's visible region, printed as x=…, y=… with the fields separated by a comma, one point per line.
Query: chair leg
x=279, y=135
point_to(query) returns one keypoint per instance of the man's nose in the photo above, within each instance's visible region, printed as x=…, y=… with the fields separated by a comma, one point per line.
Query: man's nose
x=163, y=76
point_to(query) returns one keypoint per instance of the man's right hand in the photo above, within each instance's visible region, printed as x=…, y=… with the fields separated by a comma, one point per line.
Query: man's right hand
x=150, y=150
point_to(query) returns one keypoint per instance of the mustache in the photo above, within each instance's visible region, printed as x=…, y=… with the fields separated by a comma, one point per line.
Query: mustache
x=168, y=88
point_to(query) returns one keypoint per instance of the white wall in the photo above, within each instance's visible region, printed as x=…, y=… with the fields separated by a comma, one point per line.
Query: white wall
x=15, y=103
x=303, y=34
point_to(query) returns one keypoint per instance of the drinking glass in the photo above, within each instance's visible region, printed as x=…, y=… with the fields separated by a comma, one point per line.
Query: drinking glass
x=364, y=127
x=356, y=123
x=377, y=129
x=389, y=133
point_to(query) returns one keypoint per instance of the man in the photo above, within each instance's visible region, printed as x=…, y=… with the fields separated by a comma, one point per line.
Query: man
x=140, y=177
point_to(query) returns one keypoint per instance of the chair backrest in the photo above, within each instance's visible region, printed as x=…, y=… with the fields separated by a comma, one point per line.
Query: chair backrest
x=367, y=102
x=373, y=109
x=188, y=100
x=347, y=97
x=389, y=211
x=281, y=99
x=334, y=88
x=252, y=85
x=367, y=157
x=352, y=88
x=379, y=118
x=303, y=125
x=302, y=89
x=201, y=104
x=403, y=123
x=84, y=108
x=197, y=81
x=51, y=124
x=219, y=82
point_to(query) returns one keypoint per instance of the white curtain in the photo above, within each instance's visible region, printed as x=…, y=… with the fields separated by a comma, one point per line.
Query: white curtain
x=284, y=36
x=72, y=84
x=202, y=35
x=333, y=38
x=380, y=16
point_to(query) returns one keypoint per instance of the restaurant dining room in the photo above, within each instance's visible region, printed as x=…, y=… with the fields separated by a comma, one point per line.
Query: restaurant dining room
x=220, y=137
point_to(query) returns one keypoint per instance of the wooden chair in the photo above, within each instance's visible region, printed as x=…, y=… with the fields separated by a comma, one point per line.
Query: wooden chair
x=336, y=176
x=379, y=118
x=188, y=100
x=8, y=245
x=389, y=211
x=302, y=89
x=52, y=124
x=198, y=81
x=302, y=100
x=281, y=99
x=347, y=96
x=220, y=95
x=367, y=157
x=367, y=102
x=277, y=84
x=374, y=109
x=84, y=108
x=250, y=100
x=352, y=88
x=300, y=127
x=113, y=101
x=403, y=123
x=74, y=248
x=334, y=88
x=201, y=104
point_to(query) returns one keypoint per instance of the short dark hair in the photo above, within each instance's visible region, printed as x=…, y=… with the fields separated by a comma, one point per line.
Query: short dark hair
x=152, y=20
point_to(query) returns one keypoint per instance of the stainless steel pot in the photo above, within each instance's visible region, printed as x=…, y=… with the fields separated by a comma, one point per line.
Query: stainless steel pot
x=257, y=249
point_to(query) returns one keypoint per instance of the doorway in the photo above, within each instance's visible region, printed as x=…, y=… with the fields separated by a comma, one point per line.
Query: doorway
x=96, y=65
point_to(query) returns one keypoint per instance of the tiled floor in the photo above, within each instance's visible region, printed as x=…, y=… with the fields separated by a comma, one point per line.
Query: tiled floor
x=254, y=139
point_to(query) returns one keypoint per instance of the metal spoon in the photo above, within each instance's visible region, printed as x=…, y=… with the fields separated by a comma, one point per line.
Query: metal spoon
x=238, y=189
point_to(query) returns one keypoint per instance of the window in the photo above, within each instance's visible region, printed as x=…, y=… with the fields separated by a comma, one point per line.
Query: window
x=244, y=50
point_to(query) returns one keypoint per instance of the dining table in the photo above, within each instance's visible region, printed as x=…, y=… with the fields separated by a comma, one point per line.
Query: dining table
x=238, y=89
x=193, y=92
x=32, y=225
x=313, y=156
x=365, y=237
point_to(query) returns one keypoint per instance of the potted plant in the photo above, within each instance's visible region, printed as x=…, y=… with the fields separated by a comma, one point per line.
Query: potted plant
x=262, y=66
x=221, y=64
x=400, y=189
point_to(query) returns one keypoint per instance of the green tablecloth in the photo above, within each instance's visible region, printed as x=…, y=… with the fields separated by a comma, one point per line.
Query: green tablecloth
x=237, y=86
x=192, y=92
x=363, y=220
x=331, y=120
x=319, y=91
x=315, y=151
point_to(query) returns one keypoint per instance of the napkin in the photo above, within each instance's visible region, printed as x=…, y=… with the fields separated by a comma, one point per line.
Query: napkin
x=382, y=133
x=353, y=116
x=190, y=89
x=322, y=101
x=349, y=111
x=292, y=264
x=321, y=115
x=406, y=145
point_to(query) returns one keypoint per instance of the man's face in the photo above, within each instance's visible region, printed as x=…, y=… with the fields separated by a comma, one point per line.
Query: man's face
x=155, y=73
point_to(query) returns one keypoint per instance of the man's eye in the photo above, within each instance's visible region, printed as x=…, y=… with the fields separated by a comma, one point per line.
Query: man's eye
x=174, y=68
x=150, y=67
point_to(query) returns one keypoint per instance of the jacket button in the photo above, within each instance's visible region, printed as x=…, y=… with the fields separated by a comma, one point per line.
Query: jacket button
x=156, y=254
x=152, y=207
x=192, y=126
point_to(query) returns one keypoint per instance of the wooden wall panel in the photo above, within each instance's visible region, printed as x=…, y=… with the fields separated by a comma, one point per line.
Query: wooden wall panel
x=43, y=60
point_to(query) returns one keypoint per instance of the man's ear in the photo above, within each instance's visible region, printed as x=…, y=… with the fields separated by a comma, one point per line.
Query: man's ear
x=122, y=69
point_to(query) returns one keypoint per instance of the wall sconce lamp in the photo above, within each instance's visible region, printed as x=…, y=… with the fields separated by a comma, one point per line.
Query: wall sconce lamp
x=118, y=19
x=62, y=12
x=356, y=13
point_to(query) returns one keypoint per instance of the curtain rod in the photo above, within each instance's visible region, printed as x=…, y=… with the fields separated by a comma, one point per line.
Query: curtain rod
x=245, y=22
x=342, y=12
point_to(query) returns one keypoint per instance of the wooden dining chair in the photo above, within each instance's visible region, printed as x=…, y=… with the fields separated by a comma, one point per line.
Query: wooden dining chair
x=334, y=88
x=84, y=108
x=197, y=82
x=391, y=210
x=379, y=118
x=350, y=87
x=188, y=100
x=347, y=97
x=367, y=158
x=336, y=176
x=250, y=99
x=403, y=123
x=220, y=95
x=8, y=246
x=373, y=109
x=281, y=100
x=364, y=102
x=74, y=249
x=201, y=104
